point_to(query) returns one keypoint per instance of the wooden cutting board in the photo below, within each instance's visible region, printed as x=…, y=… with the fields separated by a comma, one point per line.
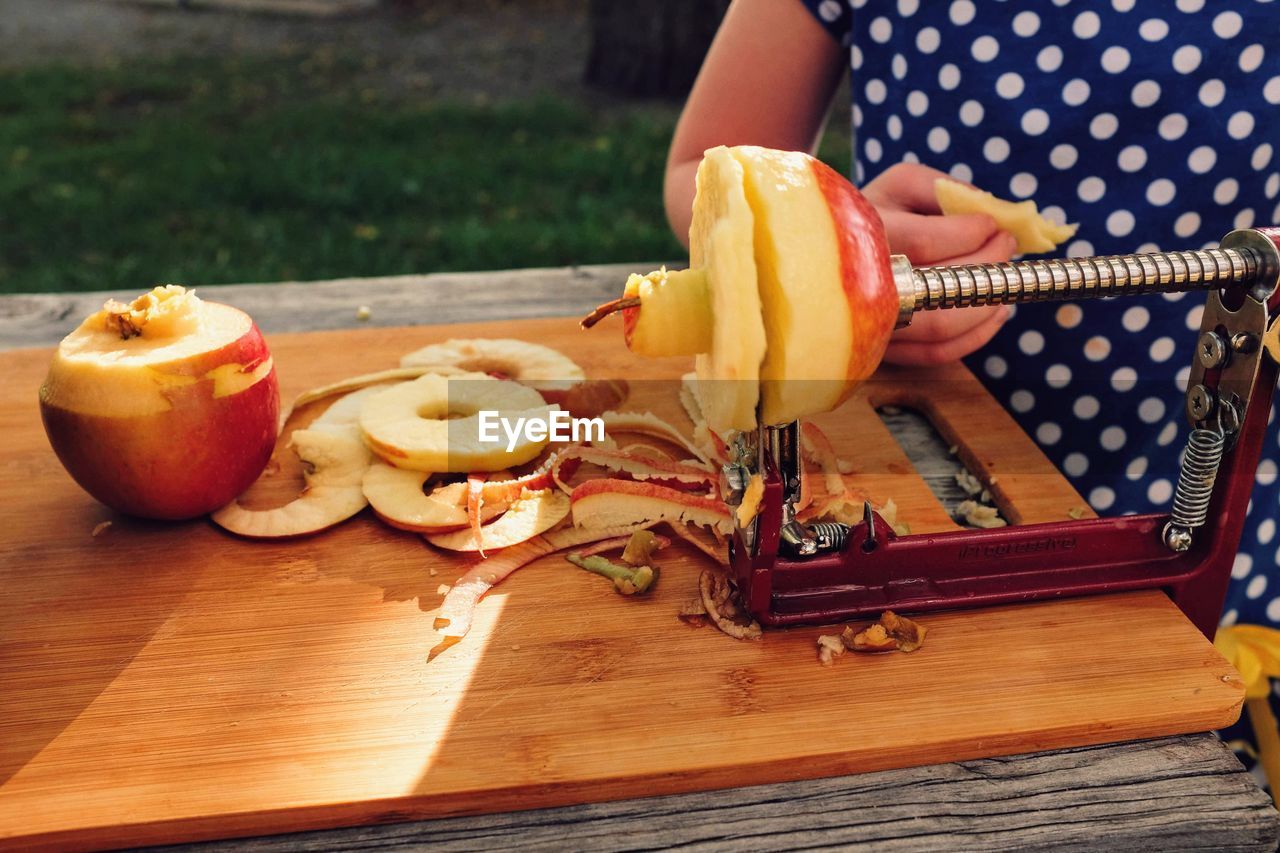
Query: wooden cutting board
x=164, y=682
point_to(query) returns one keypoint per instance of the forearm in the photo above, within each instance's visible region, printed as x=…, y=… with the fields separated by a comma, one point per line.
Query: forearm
x=678, y=196
x=768, y=80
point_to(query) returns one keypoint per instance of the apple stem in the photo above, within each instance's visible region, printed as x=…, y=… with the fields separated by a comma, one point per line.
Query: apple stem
x=608, y=308
x=120, y=319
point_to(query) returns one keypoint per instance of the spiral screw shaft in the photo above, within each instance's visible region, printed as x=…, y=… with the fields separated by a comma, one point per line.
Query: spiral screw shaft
x=1073, y=278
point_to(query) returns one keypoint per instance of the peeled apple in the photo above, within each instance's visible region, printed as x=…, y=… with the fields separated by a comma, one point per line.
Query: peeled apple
x=789, y=301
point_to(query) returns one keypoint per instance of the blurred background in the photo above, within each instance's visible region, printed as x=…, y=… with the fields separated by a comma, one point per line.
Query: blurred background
x=221, y=141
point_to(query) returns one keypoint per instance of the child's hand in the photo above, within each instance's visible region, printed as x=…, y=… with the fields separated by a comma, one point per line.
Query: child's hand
x=916, y=227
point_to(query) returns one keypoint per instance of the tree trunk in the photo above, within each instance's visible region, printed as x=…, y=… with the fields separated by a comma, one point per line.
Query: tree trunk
x=650, y=48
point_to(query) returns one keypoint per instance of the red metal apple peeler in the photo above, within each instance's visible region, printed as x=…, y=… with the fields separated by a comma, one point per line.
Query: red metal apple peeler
x=789, y=573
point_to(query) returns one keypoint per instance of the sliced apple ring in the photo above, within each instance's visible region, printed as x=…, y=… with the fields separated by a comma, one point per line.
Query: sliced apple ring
x=529, y=364
x=365, y=380
x=532, y=514
x=432, y=423
x=335, y=465
x=397, y=497
x=343, y=414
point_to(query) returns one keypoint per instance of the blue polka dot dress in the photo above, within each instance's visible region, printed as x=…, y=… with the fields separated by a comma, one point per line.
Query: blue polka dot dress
x=1152, y=126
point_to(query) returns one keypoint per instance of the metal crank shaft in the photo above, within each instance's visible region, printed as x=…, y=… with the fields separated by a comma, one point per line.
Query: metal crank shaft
x=931, y=288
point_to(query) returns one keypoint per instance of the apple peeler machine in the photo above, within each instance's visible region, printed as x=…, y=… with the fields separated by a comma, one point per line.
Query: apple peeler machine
x=790, y=573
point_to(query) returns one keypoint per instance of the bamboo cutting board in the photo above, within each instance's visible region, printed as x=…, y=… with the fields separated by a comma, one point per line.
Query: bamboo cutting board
x=165, y=682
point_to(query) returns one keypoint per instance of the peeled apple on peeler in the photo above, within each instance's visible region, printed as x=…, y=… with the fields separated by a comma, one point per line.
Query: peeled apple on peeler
x=789, y=300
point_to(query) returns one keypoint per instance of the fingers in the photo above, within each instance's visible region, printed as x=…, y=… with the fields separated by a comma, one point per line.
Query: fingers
x=906, y=187
x=934, y=239
x=936, y=327
x=996, y=250
x=952, y=349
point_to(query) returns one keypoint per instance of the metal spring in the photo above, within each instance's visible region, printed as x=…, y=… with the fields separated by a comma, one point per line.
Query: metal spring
x=1195, y=479
x=831, y=535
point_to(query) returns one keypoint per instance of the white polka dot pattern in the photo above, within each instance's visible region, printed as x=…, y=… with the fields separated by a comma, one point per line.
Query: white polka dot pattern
x=1152, y=125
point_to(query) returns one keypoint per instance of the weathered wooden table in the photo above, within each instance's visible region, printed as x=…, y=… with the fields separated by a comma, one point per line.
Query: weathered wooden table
x=1171, y=793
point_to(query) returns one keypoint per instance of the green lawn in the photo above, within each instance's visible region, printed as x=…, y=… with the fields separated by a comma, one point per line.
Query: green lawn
x=210, y=171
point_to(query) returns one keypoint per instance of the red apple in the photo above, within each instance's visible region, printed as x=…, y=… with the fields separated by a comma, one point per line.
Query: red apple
x=164, y=408
x=791, y=298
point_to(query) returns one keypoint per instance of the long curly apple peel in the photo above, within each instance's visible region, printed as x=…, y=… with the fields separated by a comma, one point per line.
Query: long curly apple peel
x=662, y=472
x=817, y=448
x=647, y=423
x=716, y=550
x=715, y=592
x=704, y=437
x=607, y=502
x=458, y=609
x=475, y=502
x=647, y=451
x=532, y=514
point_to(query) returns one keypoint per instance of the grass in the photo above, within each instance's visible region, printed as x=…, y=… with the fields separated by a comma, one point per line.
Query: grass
x=213, y=171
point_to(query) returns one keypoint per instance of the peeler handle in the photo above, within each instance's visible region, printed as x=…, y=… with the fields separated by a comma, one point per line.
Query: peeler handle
x=931, y=288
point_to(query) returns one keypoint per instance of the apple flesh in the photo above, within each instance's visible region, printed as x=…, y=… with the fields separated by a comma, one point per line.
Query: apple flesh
x=164, y=408
x=800, y=298
x=432, y=424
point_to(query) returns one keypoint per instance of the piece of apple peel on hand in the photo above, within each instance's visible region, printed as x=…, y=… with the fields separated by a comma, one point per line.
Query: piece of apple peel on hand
x=789, y=299
x=1022, y=219
x=165, y=407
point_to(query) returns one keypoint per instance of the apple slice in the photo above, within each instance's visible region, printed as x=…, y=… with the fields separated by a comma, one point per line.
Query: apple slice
x=554, y=375
x=335, y=465
x=520, y=361
x=343, y=414
x=828, y=294
x=432, y=423
x=163, y=408
x=532, y=514
x=721, y=241
x=397, y=497
x=1022, y=219
x=801, y=298
x=366, y=380
x=610, y=503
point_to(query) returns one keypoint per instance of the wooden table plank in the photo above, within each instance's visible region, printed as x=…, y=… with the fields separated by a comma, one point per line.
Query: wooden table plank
x=1179, y=792
x=41, y=319
x=1163, y=794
